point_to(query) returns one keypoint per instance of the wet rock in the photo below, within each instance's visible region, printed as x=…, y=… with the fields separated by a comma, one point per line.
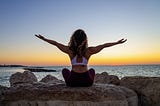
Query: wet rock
x=104, y=78
x=25, y=77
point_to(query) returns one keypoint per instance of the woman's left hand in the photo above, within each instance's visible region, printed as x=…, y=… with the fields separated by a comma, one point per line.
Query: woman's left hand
x=40, y=37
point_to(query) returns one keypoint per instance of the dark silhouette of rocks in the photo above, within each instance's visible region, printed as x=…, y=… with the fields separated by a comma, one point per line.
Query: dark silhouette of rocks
x=12, y=65
x=35, y=69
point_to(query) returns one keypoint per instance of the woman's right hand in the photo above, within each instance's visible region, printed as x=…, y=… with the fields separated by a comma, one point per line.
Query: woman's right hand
x=40, y=37
x=121, y=41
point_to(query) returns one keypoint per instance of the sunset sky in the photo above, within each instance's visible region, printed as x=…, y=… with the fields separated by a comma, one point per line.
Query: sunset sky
x=103, y=21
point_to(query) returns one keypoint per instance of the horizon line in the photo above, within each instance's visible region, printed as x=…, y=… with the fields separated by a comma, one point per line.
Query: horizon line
x=71, y=65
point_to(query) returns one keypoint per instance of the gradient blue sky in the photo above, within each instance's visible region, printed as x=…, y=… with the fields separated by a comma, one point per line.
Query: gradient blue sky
x=102, y=20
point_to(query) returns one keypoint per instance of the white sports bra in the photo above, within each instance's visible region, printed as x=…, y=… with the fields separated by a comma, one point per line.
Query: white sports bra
x=74, y=61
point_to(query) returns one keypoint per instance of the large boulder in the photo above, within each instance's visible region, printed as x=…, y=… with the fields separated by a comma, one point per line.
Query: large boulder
x=44, y=94
x=25, y=77
x=104, y=78
x=51, y=79
x=147, y=88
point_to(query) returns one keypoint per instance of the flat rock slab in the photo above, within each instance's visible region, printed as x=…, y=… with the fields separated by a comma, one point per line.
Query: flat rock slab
x=43, y=94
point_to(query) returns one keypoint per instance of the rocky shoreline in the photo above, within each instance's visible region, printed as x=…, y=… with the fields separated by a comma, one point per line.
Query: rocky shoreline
x=108, y=90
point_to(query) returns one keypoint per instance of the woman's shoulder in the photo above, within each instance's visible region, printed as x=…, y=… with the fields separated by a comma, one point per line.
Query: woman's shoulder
x=88, y=50
x=71, y=55
x=87, y=53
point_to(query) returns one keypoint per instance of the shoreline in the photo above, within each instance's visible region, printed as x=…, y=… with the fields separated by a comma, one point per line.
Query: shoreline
x=120, y=71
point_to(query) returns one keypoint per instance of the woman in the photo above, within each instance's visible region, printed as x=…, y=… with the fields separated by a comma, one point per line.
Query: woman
x=79, y=54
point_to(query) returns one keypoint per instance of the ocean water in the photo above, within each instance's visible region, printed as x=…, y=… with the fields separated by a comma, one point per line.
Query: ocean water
x=120, y=71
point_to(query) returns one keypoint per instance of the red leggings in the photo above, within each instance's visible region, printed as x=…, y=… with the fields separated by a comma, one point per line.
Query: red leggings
x=74, y=79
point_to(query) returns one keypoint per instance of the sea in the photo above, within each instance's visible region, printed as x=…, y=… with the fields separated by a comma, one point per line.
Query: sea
x=120, y=71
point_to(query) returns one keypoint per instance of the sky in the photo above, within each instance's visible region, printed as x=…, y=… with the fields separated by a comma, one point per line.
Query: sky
x=104, y=21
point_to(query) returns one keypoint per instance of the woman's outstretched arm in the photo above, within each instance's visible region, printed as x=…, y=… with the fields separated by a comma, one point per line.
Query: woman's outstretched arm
x=94, y=50
x=62, y=47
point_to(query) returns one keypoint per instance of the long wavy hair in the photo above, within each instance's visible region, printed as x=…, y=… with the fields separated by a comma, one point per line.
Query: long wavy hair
x=78, y=42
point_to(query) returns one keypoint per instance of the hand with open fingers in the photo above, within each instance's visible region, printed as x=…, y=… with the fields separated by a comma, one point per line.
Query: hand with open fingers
x=121, y=41
x=40, y=36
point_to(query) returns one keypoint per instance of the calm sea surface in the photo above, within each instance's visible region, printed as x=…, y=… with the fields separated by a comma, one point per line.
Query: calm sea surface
x=120, y=71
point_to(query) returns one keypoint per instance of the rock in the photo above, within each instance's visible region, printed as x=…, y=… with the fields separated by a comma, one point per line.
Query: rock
x=44, y=94
x=147, y=88
x=51, y=79
x=2, y=90
x=25, y=77
x=106, y=79
x=47, y=92
x=35, y=69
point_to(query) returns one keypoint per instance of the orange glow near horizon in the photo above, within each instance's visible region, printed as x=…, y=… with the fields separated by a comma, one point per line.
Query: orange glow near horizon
x=125, y=60
x=61, y=59
x=51, y=56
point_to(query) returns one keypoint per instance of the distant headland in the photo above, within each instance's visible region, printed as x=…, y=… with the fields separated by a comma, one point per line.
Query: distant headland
x=31, y=68
x=4, y=65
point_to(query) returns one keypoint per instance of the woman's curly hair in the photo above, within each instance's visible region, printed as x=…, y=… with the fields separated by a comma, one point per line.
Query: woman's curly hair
x=78, y=42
